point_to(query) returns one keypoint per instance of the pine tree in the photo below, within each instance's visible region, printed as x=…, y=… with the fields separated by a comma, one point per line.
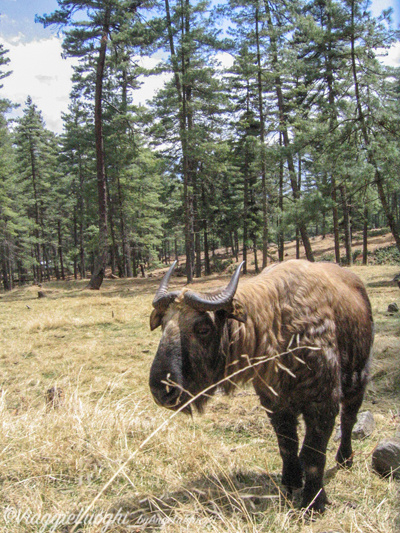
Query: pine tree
x=190, y=104
x=90, y=39
x=37, y=169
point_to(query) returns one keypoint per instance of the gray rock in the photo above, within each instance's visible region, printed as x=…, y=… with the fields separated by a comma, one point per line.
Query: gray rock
x=386, y=458
x=364, y=426
x=338, y=434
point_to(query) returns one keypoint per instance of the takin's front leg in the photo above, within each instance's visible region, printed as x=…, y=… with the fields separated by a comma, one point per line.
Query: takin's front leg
x=285, y=426
x=320, y=421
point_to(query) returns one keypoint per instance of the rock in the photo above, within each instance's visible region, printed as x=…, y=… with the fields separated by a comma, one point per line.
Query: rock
x=386, y=458
x=393, y=308
x=338, y=434
x=364, y=426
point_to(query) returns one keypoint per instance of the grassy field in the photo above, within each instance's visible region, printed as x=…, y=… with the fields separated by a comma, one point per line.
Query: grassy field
x=91, y=451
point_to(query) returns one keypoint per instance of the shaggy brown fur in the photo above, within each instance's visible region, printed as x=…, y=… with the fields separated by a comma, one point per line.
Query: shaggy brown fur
x=302, y=332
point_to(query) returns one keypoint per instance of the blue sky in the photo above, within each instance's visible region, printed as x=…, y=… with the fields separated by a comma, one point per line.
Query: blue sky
x=40, y=72
x=18, y=17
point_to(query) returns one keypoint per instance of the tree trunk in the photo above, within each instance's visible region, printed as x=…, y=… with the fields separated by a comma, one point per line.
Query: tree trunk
x=347, y=224
x=236, y=238
x=75, y=232
x=281, y=237
x=101, y=260
x=115, y=257
x=335, y=217
x=37, y=211
x=134, y=261
x=60, y=250
x=207, y=269
x=256, y=269
x=283, y=128
x=262, y=139
x=197, y=240
x=365, y=236
x=333, y=124
x=176, y=249
x=6, y=279
x=183, y=92
x=379, y=180
x=46, y=262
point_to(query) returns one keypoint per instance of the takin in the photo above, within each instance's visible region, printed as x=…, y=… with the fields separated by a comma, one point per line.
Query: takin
x=301, y=332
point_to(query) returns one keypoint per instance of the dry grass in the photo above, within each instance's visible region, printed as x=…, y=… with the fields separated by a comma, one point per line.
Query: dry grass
x=219, y=472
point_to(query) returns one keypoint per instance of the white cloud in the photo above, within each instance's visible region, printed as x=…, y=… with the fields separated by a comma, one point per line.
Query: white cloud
x=40, y=72
x=391, y=57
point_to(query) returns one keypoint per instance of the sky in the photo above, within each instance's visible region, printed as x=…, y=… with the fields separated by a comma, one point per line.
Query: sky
x=40, y=72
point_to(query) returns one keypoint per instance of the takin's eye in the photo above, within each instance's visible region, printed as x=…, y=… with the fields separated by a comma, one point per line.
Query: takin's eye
x=202, y=330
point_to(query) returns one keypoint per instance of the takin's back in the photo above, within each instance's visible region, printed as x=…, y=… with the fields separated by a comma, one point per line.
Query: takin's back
x=299, y=298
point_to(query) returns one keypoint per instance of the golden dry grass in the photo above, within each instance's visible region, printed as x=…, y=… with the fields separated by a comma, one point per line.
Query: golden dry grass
x=219, y=472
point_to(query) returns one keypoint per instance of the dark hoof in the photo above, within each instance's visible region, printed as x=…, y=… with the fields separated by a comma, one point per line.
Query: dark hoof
x=344, y=460
x=315, y=504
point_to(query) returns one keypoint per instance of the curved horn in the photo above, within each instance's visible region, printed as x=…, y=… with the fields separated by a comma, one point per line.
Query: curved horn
x=214, y=302
x=163, y=298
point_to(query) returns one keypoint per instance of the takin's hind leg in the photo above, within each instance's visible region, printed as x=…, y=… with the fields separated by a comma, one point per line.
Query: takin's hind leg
x=351, y=404
x=320, y=422
x=285, y=426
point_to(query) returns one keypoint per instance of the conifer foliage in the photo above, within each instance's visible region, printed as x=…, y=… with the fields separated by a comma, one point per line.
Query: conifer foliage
x=277, y=121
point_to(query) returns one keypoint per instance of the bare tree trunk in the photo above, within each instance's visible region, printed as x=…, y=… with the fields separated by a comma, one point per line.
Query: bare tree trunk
x=60, y=250
x=207, y=269
x=245, y=217
x=281, y=237
x=333, y=123
x=101, y=260
x=183, y=92
x=37, y=212
x=347, y=225
x=262, y=139
x=256, y=268
x=75, y=226
x=176, y=249
x=197, y=240
x=6, y=279
x=365, y=236
x=335, y=217
x=379, y=180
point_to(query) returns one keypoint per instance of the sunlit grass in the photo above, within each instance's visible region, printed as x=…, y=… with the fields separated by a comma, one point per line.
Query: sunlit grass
x=219, y=472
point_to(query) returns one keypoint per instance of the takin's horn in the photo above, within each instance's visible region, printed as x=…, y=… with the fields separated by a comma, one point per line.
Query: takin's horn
x=214, y=302
x=163, y=298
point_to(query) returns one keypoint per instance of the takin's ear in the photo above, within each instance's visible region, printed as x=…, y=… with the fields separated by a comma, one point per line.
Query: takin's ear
x=155, y=319
x=237, y=311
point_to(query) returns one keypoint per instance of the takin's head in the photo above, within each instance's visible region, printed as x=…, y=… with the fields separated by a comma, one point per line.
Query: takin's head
x=190, y=358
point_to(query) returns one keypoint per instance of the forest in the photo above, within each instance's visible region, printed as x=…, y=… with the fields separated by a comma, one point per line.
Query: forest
x=278, y=121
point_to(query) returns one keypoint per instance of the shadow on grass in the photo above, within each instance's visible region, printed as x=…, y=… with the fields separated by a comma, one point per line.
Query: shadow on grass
x=207, y=499
x=380, y=284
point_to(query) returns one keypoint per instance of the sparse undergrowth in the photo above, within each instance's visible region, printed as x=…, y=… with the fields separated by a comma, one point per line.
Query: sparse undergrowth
x=219, y=472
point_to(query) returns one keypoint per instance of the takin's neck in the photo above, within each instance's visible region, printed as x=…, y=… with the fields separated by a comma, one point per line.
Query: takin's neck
x=246, y=345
